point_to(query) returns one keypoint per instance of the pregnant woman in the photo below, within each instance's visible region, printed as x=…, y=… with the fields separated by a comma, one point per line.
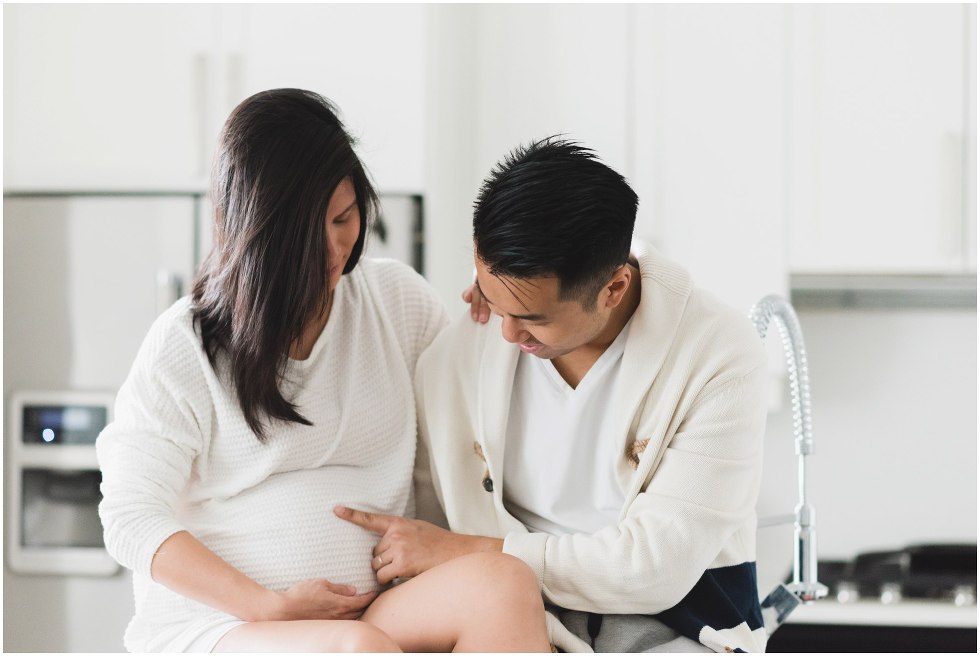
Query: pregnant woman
x=280, y=388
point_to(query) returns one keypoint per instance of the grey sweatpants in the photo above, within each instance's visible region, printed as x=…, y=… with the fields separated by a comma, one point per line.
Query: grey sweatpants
x=626, y=633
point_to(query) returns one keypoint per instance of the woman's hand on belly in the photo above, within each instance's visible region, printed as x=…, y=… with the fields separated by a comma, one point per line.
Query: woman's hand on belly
x=319, y=599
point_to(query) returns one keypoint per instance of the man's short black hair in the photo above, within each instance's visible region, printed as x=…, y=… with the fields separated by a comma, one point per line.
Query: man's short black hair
x=551, y=208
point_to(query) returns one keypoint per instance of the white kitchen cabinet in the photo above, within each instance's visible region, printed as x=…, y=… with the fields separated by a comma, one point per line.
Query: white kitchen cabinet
x=122, y=96
x=84, y=277
x=761, y=139
x=709, y=143
x=545, y=69
x=105, y=96
x=881, y=135
x=368, y=59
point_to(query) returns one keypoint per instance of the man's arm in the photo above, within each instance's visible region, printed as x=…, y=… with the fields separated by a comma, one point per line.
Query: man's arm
x=697, y=512
x=701, y=494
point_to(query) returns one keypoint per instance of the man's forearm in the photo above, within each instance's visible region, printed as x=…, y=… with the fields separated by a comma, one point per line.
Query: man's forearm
x=478, y=543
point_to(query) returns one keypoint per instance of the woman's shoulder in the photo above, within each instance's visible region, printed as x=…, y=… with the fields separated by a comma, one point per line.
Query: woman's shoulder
x=397, y=280
x=407, y=299
x=172, y=340
x=176, y=323
x=390, y=271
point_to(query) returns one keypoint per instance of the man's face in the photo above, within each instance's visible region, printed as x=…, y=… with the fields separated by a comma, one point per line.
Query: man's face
x=534, y=318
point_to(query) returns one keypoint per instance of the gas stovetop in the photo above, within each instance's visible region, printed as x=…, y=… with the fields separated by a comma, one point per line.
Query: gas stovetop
x=918, y=599
x=943, y=573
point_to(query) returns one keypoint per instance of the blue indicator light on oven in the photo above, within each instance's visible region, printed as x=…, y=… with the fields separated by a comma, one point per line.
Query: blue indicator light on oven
x=47, y=435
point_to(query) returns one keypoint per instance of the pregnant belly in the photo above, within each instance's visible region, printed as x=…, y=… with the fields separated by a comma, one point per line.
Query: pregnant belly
x=284, y=530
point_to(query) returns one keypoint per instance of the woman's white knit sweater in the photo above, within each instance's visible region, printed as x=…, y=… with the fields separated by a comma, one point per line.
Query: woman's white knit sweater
x=179, y=455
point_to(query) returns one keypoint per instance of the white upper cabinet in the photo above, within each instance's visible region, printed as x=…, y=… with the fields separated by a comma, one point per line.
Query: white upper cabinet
x=881, y=137
x=762, y=139
x=542, y=70
x=105, y=96
x=133, y=96
x=709, y=143
x=369, y=59
x=85, y=277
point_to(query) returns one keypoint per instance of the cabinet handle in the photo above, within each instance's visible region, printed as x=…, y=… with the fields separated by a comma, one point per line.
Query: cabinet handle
x=952, y=194
x=233, y=75
x=169, y=289
x=969, y=172
x=200, y=82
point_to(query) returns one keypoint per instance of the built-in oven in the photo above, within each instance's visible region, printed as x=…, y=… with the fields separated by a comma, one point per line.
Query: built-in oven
x=53, y=481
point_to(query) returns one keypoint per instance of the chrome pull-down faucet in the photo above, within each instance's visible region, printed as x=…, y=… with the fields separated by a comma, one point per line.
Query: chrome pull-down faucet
x=804, y=588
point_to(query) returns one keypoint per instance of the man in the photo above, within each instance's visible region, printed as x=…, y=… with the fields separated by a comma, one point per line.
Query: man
x=612, y=439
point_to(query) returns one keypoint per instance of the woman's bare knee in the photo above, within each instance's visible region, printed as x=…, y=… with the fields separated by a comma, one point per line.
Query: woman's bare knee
x=501, y=571
x=503, y=582
x=504, y=593
x=361, y=637
x=480, y=602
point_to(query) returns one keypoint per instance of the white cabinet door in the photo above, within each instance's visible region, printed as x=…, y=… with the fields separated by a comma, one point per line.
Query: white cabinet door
x=81, y=284
x=368, y=59
x=878, y=137
x=133, y=96
x=105, y=96
x=545, y=69
x=710, y=143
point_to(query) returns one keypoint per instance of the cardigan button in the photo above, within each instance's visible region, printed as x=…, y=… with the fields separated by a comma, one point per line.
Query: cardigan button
x=488, y=484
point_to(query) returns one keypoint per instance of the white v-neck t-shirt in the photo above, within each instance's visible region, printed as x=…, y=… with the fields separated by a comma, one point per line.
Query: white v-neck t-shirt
x=560, y=459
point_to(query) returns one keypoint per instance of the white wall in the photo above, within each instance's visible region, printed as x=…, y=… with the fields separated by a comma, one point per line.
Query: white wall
x=894, y=396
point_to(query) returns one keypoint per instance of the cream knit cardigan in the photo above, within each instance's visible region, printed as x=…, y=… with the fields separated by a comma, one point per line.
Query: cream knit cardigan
x=690, y=406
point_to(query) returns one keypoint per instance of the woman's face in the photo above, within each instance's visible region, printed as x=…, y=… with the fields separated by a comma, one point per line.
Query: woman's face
x=343, y=227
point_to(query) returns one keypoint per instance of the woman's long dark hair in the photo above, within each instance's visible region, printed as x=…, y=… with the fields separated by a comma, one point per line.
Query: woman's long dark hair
x=281, y=155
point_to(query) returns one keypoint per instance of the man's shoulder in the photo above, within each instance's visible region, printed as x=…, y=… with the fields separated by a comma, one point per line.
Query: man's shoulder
x=460, y=344
x=722, y=330
x=461, y=347
x=721, y=316
x=701, y=317
x=453, y=369
x=708, y=331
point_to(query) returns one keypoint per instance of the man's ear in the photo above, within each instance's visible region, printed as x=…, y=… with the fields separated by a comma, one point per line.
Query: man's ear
x=613, y=292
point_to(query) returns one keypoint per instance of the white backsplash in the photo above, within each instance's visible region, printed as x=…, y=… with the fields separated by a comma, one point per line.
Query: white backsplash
x=894, y=404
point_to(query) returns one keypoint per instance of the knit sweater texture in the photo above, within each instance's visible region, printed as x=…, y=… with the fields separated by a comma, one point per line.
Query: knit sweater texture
x=180, y=456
